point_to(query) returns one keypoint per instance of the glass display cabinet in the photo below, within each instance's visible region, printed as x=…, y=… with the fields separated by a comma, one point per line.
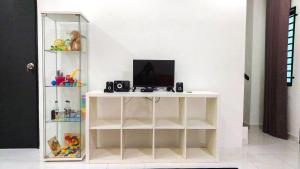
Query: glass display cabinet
x=65, y=82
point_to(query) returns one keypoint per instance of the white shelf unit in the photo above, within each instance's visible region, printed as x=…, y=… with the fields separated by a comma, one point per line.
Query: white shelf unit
x=152, y=127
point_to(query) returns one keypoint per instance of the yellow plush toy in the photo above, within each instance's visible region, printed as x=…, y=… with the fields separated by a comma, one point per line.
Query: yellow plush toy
x=59, y=44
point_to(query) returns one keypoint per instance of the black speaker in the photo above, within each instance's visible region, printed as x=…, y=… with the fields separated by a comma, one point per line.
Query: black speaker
x=121, y=86
x=109, y=87
x=179, y=87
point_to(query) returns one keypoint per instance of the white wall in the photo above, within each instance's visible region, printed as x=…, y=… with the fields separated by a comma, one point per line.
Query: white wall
x=293, y=91
x=206, y=38
x=255, y=56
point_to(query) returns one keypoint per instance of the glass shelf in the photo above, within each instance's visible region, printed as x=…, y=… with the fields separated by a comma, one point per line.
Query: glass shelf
x=75, y=120
x=64, y=51
x=66, y=86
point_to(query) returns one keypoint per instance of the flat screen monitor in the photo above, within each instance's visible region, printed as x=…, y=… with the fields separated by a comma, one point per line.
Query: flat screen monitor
x=153, y=73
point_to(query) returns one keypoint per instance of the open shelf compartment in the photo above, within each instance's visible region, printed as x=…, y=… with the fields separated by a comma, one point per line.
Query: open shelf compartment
x=137, y=113
x=137, y=145
x=169, y=112
x=201, y=113
x=106, y=113
x=201, y=145
x=105, y=145
x=170, y=144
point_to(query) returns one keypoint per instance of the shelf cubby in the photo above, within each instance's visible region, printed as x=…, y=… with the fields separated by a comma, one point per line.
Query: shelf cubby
x=107, y=113
x=201, y=113
x=105, y=145
x=137, y=144
x=169, y=144
x=201, y=145
x=169, y=117
x=137, y=113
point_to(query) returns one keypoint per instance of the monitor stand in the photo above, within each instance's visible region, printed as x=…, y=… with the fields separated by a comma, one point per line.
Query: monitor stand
x=147, y=89
x=133, y=89
x=170, y=89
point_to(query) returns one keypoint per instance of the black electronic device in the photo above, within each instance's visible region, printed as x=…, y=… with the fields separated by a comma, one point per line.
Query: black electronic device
x=109, y=87
x=121, y=86
x=170, y=89
x=153, y=73
x=147, y=89
x=179, y=87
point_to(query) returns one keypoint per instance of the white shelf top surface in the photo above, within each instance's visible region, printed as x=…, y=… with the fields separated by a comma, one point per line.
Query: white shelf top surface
x=106, y=124
x=138, y=124
x=138, y=154
x=153, y=94
x=200, y=154
x=106, y=154
x=168, y=124
x=169, y=153
x=199, y=124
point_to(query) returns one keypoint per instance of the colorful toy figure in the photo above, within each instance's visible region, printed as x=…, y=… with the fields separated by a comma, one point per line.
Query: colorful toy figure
x=53, y=82
x=73, y=73
x=83, y=105
x=72, y=146
x=72, y=139
x=67, y=84
x=78, y=83
x=67, y=81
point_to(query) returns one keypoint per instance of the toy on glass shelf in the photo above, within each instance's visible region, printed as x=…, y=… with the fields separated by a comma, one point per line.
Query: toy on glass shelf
x=75, y=44
x=71, y=44
x=59, y=78
x=71, y=148
x=54, y=146
x=55, y=111
x=72, y=139
x=83, y=105
x=72, y=145
x=59, y=45
x=68, y=110
x=70, y=114
x=66, y=81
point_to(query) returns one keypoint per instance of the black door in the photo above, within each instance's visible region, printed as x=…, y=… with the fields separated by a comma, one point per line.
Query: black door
x=19, y=127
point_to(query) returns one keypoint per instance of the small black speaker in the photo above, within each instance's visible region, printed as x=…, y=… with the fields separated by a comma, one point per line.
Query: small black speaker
x=179, y=87
x=121, y=86
x=109, y=87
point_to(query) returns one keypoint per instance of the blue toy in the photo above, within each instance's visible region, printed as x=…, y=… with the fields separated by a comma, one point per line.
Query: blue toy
x=53, y=82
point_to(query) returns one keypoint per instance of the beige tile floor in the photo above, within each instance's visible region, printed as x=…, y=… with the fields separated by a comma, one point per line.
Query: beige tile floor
x=263, y=152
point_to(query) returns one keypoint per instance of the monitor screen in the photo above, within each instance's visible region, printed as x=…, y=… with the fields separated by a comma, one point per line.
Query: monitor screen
x=153, y=73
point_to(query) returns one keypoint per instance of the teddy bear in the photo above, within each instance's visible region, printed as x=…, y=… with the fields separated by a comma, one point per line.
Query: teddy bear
x=75, y=44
